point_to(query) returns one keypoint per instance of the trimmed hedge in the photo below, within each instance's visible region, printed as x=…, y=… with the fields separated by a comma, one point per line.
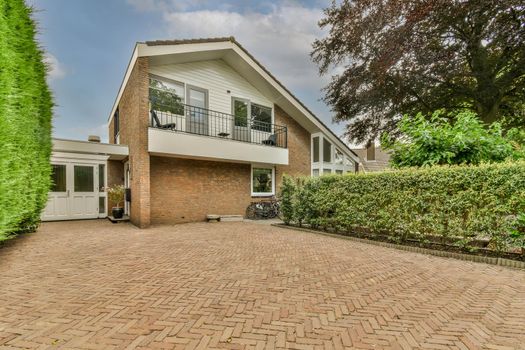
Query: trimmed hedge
x=25, y=122
x=458, y=204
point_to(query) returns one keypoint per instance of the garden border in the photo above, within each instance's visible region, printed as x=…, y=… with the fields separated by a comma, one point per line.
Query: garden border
x=426, y=251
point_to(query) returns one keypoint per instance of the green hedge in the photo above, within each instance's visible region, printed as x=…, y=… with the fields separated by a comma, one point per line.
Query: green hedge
x=25, y=121
x=456, y=203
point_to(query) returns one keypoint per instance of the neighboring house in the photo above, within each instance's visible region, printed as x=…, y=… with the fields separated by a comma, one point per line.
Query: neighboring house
x=207, y=130
x=372, y=158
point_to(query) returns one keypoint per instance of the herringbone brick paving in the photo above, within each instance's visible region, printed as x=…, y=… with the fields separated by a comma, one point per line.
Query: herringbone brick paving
x=94, y=285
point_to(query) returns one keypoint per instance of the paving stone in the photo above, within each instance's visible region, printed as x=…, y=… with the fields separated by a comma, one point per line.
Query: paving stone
x=241, y=285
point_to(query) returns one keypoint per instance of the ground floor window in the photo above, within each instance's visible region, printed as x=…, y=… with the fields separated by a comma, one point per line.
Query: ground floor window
x=263, y=181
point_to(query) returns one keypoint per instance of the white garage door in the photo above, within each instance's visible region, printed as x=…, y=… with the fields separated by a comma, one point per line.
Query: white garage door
x=75, y=191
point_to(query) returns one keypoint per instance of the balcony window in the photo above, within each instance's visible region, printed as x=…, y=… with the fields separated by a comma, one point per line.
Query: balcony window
x=261, y=118
x=240, y=112
x=166, y=96
x=262, y=181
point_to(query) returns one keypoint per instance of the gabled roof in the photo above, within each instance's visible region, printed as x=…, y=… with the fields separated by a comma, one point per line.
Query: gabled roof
x=172, y=47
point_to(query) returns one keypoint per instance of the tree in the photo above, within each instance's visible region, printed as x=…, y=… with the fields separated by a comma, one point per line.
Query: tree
x=25, y=121
x=409, y=56
x=465, y=141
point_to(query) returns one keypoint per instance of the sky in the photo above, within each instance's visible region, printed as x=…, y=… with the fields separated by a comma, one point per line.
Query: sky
x=88, y=44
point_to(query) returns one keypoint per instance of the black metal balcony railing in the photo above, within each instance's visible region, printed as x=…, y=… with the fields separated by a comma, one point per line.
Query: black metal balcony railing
x=201, y=121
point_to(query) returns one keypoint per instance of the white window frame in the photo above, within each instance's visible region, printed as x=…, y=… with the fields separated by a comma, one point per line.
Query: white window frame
x=348, y=165
x=250, y=103
x=262, y=194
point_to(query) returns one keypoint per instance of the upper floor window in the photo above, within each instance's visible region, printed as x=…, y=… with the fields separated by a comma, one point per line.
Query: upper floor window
x=166, y=95
x=327, y=151
x=316, y=149
x=261, y=118
x=338, y=157
x=116, y=126
x=240, y=112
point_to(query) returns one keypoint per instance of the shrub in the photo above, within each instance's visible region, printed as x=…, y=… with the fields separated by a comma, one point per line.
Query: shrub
x=116, y=194
x=25, y=122
x=454, y=203
x=439, y=141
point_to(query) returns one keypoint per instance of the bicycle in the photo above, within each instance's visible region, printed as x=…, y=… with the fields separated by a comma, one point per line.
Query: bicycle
x=264, y=210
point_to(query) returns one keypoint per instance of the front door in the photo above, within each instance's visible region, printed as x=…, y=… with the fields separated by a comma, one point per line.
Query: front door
x=74, y=192
x=84, y=193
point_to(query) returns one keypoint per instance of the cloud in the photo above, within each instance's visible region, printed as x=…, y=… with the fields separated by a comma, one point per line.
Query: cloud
x=55, y=69
x=281, y=39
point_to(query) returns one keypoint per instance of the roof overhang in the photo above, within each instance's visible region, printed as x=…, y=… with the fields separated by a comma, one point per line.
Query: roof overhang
x=230, y=51
x=114, y=152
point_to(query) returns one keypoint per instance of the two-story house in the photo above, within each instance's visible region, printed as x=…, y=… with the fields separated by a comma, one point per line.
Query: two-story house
x=207, y=130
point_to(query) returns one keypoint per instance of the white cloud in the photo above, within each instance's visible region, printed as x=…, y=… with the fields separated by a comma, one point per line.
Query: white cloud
x=55, y=69
x=280, y=39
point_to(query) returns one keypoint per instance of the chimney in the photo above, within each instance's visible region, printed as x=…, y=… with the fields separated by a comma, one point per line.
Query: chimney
x=94, y=138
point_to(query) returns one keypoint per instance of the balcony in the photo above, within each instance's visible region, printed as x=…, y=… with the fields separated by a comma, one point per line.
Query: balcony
x=195, y=132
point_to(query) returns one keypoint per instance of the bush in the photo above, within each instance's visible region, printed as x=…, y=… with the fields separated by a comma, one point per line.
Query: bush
x=25, y=122
x=455, y=203
x=439, y=141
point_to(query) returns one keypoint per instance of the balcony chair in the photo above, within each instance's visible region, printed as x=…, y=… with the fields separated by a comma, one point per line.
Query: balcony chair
x=170, y=126
x=271, y=141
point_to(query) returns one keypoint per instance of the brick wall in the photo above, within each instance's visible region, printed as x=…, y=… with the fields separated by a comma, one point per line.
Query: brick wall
x=298, y=148
x=134, y=116
x=184, y=190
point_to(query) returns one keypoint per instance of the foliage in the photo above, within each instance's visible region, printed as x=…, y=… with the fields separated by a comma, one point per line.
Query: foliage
x=116, y=194
x=287, y=188
x=463, y=141
x=517, y=233
x=25, y=122
x=406, y=56
x=453, y=203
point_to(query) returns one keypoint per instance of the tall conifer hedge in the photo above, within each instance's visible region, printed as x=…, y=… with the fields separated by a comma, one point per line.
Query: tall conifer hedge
x=25, y=121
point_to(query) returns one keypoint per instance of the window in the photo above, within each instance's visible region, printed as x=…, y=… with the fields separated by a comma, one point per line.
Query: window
x=315, y=172
x=327, y=171
x=240, y=111
x=116, y=126
x=262, y=181
x=261, y=118
x=101, y=205
x=83, y=178
x=316, y=148
x=338, y=157
x=327, y=151
x=166, y=95
x=101, y=177
x=339, y=172
x=58, y=178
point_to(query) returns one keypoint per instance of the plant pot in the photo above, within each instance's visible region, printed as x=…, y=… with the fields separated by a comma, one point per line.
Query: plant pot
x=118, y=213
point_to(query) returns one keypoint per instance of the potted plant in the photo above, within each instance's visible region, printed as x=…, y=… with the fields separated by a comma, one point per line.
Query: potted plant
x=116, y=196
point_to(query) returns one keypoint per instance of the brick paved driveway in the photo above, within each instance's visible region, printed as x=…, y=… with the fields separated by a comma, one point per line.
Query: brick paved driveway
x=94, y=285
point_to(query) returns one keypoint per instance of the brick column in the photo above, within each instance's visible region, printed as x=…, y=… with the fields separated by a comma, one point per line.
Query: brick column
x=134, y=120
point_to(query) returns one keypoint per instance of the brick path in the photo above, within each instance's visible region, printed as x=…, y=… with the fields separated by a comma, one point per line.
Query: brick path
x=94, y=285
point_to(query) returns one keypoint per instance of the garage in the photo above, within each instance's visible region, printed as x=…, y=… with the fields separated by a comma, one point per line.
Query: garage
x=79, y=176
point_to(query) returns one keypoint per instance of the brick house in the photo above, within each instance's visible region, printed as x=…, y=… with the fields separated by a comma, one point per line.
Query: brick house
x=205, y=129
